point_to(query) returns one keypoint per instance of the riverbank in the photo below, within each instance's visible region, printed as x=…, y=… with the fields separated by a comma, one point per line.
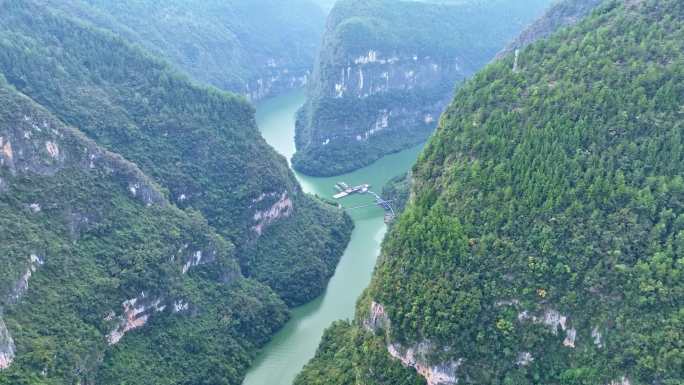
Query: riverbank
x=280, y=361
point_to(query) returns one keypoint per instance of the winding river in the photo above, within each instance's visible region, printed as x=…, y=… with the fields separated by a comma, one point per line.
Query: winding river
x=280, y=361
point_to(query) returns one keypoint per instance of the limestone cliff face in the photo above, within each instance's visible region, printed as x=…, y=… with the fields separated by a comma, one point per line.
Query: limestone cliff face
x=385, y=72
x=375, y=84
x=378, y=72
x=274, y=80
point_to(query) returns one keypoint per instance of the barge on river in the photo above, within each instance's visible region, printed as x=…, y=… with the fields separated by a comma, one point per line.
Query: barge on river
x=345, y=190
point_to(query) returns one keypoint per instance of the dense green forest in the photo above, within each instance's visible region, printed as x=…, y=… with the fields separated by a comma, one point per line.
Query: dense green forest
x=202, y=145
x=544, y=243
x=350, y=355
x=255, y=48
x=76, y=244
x=132, y=196
x=398, y=190
x=388, y=68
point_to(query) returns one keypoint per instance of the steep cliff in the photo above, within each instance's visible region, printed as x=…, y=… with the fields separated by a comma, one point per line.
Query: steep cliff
x=201, y=145
x=544, y=240
x=255, y=48
x=92, y=251
x=386, y=71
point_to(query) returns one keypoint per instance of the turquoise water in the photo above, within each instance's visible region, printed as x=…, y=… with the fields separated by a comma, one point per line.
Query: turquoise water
x=280, y=361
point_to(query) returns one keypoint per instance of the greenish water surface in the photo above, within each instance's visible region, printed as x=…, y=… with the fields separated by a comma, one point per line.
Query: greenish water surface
x=280, y=361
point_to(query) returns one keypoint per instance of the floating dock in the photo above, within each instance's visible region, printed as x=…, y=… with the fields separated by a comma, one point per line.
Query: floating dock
x=345, y=190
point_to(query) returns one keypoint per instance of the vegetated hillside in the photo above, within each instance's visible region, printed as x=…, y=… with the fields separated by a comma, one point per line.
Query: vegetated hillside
x=544, y=243
x=398, y=190
x=201, y=145
x=388, y=68
x=256, y=48
x=91, y=251
x=562, y=14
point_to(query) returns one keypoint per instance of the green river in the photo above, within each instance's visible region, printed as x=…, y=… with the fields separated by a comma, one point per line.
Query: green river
x=280, y=361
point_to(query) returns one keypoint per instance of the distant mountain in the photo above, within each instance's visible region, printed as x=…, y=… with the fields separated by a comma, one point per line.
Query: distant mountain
x=388, y=68
x=544, y=239
x=255, y=48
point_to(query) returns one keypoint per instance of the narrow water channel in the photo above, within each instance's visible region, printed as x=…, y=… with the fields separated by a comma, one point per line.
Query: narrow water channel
x=280, y=361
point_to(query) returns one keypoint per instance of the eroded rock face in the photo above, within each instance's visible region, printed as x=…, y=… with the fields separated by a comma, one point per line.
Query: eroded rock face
x=622, y=381
x=22, y=284
x=524, y=359
x=376, y=75
x=380, y=72
x=136, y=313
x=555, y=321
x=7, y=348
x=37, y=144
x=597, y=336
x=277, y=79
x=377, y=319
x=414, y=357
x=282, y=208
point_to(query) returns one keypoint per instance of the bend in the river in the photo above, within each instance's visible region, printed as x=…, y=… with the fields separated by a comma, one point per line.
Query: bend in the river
x=280, y=361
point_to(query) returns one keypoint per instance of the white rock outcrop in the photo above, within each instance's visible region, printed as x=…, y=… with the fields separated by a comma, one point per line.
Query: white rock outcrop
x=7, y=348
x=194, y=260
x=377, y=318
x=597, y=336
x=413, y=357
x=137, y=312
x=439, y=374
x=622, y=381
x=570, y=336
x=280, y=209
x=23, y=284
x=554, y=320
x=524, y=358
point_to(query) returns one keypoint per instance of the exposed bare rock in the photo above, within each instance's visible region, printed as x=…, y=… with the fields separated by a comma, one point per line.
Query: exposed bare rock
x=282, y=208
x=198, y=258
x=415, y=357
x=39, y=144
x=622, y=381
x=137, y=312
x=554, y=320
x=377, y=319
x=597, y=336
x=180, y=306
x=7, y=348
x=524, y=359
x=23, y=283
x=570, y=338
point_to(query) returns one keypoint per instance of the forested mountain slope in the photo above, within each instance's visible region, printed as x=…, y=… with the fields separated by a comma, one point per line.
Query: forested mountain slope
x=561, y=14
x=388, y=68
x=91, y=250
x=132, y=197
x=200, y=144
x=255, y=48
x=544, y=243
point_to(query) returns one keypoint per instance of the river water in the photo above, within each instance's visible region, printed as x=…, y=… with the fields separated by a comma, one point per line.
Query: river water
x=280, y=361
